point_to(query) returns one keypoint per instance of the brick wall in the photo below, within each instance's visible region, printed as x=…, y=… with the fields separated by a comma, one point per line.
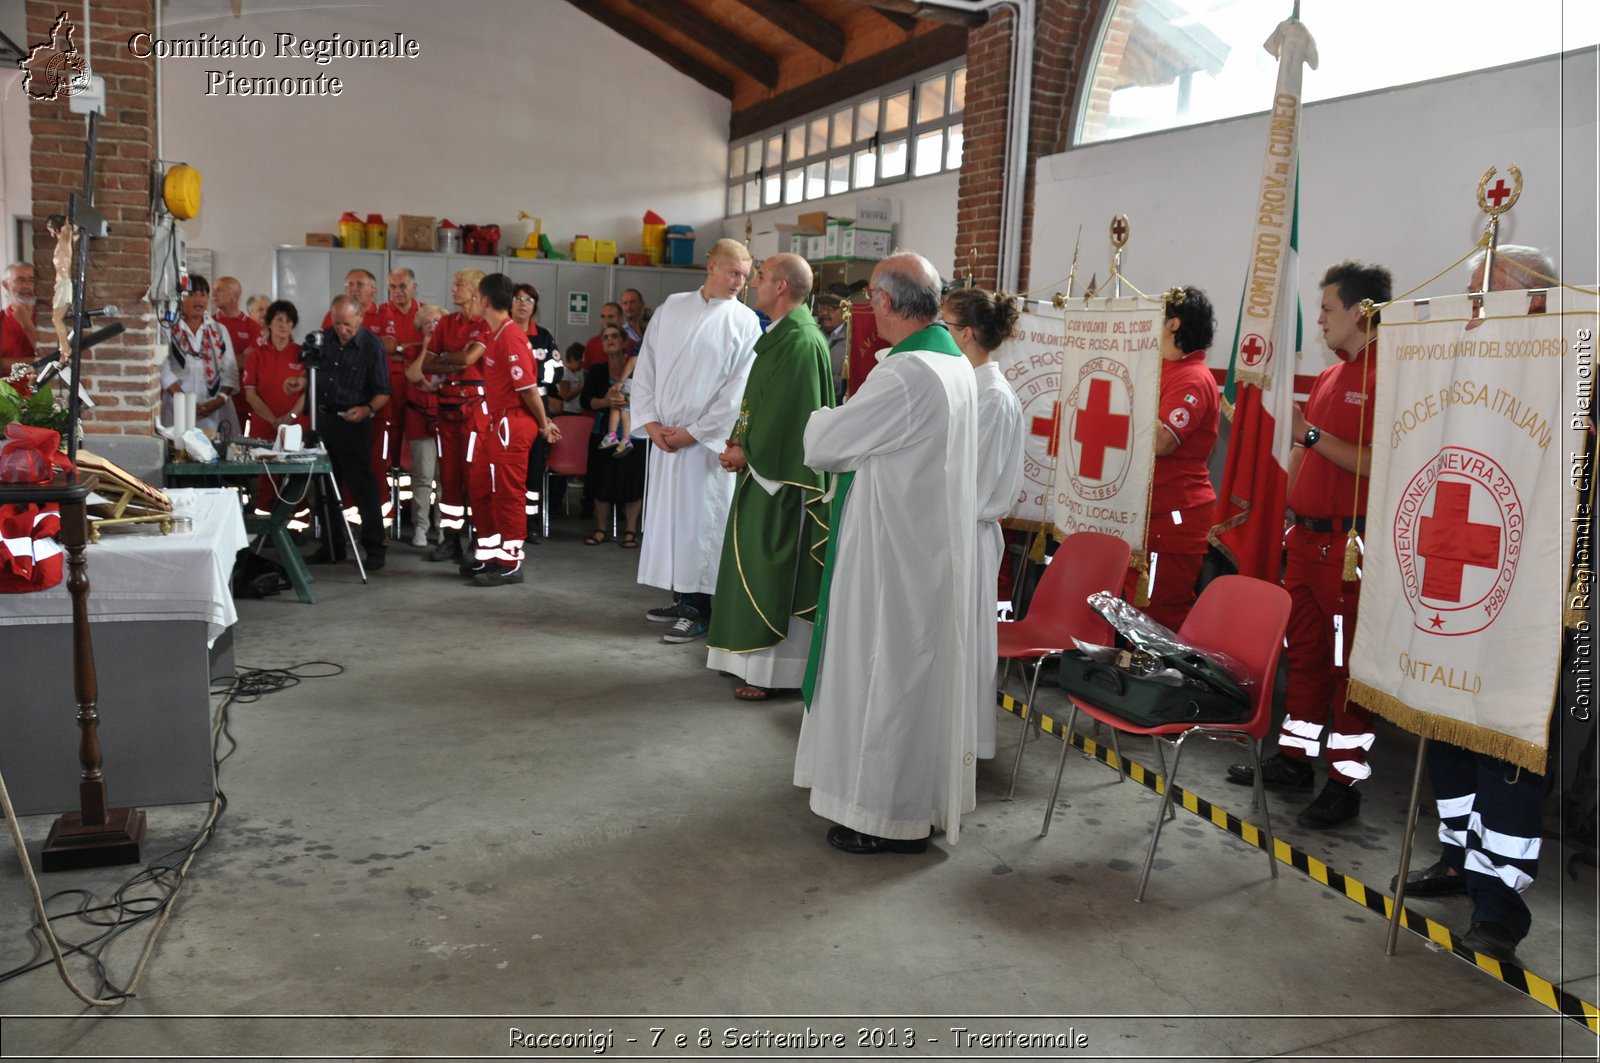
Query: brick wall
x=1062, y=41
x=121, y=373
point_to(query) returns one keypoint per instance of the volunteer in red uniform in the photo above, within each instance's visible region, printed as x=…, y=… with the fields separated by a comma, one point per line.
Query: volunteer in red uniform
x=525, y=312
x=243, y=330
x=17, y=330
x=1328, y=494
x=452, y=354
x=273, y=383
x=499, y=468
x=397, y=328
x=1181, y=495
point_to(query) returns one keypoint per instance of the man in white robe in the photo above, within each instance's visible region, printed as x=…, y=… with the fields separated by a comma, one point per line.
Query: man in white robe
x=887, y=746
x=686, y=389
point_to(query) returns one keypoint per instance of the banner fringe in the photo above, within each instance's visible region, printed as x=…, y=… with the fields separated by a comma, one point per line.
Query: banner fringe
x=1522, y=753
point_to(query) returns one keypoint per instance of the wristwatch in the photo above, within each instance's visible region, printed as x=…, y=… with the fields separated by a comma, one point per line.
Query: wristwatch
x=1309, y=440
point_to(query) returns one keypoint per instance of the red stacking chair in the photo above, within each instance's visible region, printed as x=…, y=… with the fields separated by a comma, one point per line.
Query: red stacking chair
x=569, y=457
x=1084, y=563
x=1243, y=618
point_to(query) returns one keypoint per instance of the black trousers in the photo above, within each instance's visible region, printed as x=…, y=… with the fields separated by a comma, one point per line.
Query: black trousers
x=349, y=447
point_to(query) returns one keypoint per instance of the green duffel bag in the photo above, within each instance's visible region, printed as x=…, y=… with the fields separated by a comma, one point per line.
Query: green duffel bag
x=1208, y=694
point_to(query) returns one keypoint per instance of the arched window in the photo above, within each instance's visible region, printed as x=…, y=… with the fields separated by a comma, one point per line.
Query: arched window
x=1160, y=64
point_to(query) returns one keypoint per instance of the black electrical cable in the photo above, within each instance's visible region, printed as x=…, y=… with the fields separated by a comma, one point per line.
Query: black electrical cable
x=164, y=873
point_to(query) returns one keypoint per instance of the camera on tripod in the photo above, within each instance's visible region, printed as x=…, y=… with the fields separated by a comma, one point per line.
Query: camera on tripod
x=311, y=353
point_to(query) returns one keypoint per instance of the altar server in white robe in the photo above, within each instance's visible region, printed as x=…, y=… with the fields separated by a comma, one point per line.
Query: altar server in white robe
x=979, y=322
x=887, y=746
x=686, y=389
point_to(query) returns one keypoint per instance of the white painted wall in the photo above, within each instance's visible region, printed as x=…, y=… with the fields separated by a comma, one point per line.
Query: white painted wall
x=16, y=177
x=1388, y=177
x=512, y=106
x=922, y=210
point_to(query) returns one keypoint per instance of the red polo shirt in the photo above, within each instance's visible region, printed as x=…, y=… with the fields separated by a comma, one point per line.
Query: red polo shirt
x=1189, y=410
x=243, y=331
x=1341, y=404
x=15, y=346
x=508, y=367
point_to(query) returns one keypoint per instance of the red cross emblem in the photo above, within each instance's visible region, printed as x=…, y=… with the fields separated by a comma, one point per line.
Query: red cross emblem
x=1449, y=542
x=1099, y=430
x=1049, y=427
x=1499, y=192
x=1254, y=349
x=1119, y=230
x=1458, y=530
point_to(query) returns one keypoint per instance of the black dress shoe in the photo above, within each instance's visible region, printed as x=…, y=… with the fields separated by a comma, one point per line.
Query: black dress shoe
x=853, y=841
x=376, y=557
x=1492, y=940
x=1333, y=806
x=1435, y=881
x=1278, y=772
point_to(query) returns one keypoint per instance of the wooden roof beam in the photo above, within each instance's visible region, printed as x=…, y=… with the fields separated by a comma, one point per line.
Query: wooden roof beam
x=804, y=25
x=680, y=61
x=905, y=13
x=735, y=51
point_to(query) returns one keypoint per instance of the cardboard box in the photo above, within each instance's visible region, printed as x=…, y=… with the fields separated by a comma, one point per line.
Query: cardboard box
x=799, y=244
x=321, y=240
x=816, y=247
x=836, y=228
x=417, y=233
x=817, y=221
x=855, y=241
x=842, y=273
x=873, y=212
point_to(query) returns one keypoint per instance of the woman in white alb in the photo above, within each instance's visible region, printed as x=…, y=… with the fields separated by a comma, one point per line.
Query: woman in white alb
x=980, y=322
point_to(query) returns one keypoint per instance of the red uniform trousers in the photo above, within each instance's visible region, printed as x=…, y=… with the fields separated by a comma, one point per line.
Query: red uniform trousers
x=461, y=431
x=1321, y=604
x=387, y=425
x=1172, y=591
x=497, y=485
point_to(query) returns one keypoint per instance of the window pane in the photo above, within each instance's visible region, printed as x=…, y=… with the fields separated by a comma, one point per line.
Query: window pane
x=896, y=111
x=930, y=99
x=772, y=192
x=930, y=153
x=752, y=194
x=842, y=121
x=752, y=156
x=796, y=148
x=838, y=174
x=894, y=159
x=866, y=168
x=736, y=162
x=736, y=199
x=794, y=186
x=952, y=150
x=816, y=180
x=817, y=138
x=775, y=152
x=958, y=91
x=866, y=119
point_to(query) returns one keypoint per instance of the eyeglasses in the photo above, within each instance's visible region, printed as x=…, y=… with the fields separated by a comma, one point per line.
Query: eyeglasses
x=522, y=299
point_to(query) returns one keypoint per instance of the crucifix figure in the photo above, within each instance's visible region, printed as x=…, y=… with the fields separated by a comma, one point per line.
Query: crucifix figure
x=61, y=302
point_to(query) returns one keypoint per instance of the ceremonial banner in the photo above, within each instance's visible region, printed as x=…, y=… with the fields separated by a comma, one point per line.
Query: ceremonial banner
x=1031, y=362
x=1110, y=397
x=861, y=351
x=1470, y=522
x=1260, y=387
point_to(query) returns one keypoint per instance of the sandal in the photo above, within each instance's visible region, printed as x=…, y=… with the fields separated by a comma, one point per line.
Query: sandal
x=752, y=693
x=629, y=541
x=596, y=537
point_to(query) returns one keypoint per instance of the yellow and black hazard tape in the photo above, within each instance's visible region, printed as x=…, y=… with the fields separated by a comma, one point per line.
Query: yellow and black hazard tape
x=1518, y=978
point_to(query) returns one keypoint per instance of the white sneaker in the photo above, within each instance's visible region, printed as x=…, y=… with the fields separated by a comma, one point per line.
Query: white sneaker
x=419, y=536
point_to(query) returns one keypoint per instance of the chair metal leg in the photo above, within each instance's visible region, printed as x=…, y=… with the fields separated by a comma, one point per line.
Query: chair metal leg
x=1161, y=816
x=1028, y=712
x=1161, y=759
x=1005, y=676
x=544, y=504
x=1061, y=763
x=1261, y=802
x=1116, y=750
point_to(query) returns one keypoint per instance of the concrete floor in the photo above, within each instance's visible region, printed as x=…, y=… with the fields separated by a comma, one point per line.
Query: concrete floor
x=517, y=809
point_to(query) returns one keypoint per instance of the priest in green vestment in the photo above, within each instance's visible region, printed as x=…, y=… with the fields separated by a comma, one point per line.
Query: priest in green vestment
x=777, y=532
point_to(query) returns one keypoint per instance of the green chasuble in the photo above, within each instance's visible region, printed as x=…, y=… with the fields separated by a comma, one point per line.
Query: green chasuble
x=772, y=549
x=934, y=338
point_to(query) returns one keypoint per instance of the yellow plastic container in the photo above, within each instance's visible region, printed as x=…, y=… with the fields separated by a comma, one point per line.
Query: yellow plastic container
x=605, y=251
x=582, y=249
x=654, y=240
x=352, y=233
x=376, y=231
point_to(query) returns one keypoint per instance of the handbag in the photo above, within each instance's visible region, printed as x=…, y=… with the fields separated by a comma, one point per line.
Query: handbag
x=1206, y=694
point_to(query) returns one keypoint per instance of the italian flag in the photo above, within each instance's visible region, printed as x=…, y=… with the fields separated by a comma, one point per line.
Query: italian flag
x=1258, y=395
